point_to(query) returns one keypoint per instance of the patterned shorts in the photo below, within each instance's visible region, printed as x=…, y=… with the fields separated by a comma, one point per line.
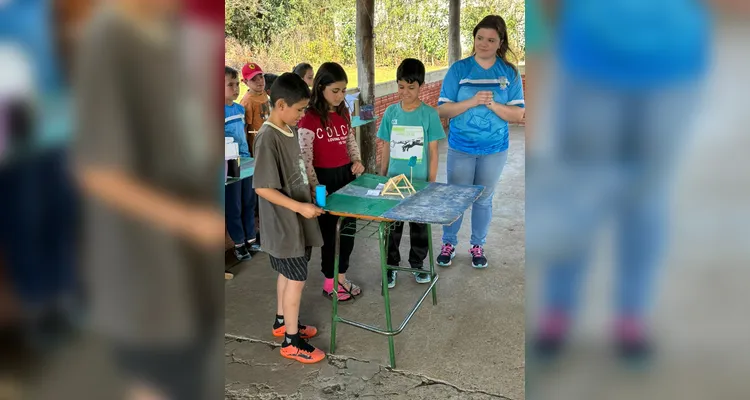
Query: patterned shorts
x=294, y=268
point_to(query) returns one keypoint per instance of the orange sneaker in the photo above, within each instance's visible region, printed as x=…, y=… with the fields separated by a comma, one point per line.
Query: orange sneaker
x=305, y=332
x=302, y=352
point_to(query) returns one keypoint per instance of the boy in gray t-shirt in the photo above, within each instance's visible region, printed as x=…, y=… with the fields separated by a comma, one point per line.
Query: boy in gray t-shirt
x=288, y=217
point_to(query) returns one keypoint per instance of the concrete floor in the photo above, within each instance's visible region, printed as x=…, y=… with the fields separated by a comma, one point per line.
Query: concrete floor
x=469, y=346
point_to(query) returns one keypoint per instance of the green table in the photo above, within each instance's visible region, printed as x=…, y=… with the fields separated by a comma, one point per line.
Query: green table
x=375, y=216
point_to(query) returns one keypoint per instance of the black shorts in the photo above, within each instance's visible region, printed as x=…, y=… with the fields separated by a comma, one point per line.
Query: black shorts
x=295, y=268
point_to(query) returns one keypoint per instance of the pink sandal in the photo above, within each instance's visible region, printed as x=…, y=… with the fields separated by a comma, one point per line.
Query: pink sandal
x=344, y=294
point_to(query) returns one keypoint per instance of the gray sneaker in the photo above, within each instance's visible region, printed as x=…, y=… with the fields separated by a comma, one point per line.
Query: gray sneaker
x=241, y=253
x=391, y=279
x=254, y=247
x=422, y=277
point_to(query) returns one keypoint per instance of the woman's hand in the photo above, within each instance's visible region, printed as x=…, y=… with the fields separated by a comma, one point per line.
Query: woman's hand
x=452, y=110
x=358, y=168
x=512, y=114
x=483, y=97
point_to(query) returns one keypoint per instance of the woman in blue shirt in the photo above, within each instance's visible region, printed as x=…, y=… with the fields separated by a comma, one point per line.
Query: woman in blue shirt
x=480, y=94
x=629, y=85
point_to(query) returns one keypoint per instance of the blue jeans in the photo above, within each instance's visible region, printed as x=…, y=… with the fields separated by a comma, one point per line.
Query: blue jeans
x=239, y=211
x=470, y=169
x=613, y=152
x=38, y=227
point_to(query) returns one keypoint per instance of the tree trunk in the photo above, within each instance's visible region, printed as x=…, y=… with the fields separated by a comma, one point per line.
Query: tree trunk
x=454, y=31
x=366, y=78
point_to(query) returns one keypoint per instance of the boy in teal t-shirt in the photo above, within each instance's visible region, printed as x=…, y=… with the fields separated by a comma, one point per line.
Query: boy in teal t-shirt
x=409, y=129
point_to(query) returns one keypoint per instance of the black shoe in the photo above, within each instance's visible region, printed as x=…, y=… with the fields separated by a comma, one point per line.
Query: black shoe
x=632, y=343
x=447, y=252
x=548, y=348
x=242, y=253
x=549, y=341
x=635, y=353
x=478, y=259
x=50, y=330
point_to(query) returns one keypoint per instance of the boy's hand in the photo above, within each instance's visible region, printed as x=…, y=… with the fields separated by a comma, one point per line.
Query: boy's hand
x=358, y=168
x=309, y=211
x=205, y=227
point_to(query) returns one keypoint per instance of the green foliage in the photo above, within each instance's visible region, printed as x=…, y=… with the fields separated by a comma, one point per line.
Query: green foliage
x=512, y=11
x=411, y=28
x=345, y=35
x=257, y=23
x=281, y=33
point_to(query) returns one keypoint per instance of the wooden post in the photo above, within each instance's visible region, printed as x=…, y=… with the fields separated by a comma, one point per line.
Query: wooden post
x=454, y=31
x=366, y=79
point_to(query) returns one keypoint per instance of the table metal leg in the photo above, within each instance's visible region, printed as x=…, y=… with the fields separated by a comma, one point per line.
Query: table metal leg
x=432, y=264
x=383, y=230
x=335, y=299
x=384, y=245
x=383, y=235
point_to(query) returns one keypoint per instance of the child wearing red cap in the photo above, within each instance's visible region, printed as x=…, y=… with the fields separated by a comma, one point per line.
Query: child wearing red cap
x=256, y=102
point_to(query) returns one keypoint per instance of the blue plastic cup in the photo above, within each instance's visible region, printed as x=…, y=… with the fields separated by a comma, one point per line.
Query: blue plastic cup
x=320, y=195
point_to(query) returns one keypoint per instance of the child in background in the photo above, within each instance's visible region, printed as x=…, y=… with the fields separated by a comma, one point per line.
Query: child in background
x=256, y=102
x=239, y=196
x=305, y=71
x=410, y=129
x=287, y=213
x=270, y=79
x=332, y=158
x=257, y=109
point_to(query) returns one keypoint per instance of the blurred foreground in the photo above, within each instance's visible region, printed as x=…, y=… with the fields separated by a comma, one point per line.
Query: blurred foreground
x=110, y=193
x=636, y=201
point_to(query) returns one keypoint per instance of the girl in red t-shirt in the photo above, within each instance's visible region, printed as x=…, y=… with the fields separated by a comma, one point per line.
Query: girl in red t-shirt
x=329, y=148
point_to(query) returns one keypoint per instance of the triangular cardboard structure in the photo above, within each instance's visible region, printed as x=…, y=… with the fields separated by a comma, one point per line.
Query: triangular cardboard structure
x=395, y=185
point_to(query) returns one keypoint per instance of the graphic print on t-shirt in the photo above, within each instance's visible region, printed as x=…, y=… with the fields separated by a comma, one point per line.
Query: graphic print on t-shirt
x=303, y=170
x=265, y=110
x=298, y=179
x=407, y=142
x=333, y=134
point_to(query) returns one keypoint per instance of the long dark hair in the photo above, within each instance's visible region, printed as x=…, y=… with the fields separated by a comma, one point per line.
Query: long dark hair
x=497, y=23
x=327, y=74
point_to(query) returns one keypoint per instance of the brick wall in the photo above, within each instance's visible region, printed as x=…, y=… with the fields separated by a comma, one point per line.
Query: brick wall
x=429, y=95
